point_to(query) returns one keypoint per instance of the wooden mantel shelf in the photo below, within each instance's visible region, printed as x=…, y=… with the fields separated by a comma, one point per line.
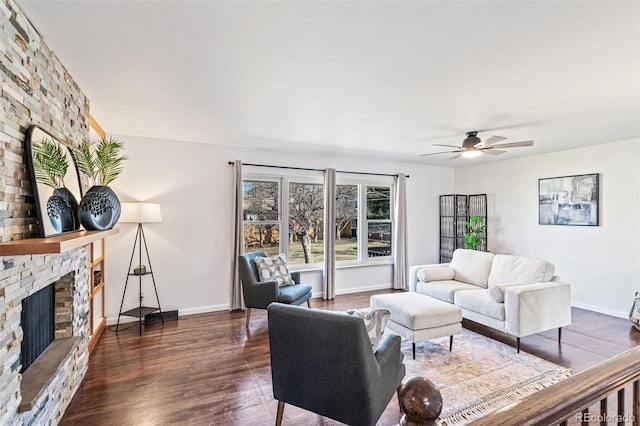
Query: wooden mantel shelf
x=57, y=244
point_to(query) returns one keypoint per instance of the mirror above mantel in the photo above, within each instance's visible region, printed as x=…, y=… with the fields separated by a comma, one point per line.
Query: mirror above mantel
x=56, y=183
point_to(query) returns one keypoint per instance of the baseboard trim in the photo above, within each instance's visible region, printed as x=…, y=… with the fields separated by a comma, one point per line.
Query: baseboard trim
x=318, y=294
x=181, y=312
x=601, y=310
x=204, y=309
x=225, y=307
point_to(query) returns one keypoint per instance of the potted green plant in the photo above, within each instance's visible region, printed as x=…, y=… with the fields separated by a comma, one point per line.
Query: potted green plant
x=50, y=165
x=101, y=162
x=475, y=232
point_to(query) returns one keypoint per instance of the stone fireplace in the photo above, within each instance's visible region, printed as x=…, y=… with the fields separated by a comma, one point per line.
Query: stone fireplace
x=42, y=392
x=36, y=88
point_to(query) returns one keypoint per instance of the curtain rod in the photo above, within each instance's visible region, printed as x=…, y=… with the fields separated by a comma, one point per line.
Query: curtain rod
x=316, y=170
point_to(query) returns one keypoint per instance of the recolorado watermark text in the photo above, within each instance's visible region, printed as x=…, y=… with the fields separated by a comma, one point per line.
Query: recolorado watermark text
x=608, y=418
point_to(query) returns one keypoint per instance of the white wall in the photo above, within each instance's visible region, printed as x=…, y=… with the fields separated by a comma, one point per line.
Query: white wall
x=601, y=263
x=190, y=249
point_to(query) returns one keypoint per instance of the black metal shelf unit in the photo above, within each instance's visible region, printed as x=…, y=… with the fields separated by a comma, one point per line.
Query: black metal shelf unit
x=140, y=311
x=455, y=210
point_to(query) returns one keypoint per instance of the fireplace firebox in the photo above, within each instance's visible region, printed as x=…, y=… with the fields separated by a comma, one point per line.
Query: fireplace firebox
x=38, y=324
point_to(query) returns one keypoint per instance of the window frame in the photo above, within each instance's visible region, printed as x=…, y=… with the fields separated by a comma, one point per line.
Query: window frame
x=279, y=221
x=366, y=221
x=289, y=179
x=363, y=259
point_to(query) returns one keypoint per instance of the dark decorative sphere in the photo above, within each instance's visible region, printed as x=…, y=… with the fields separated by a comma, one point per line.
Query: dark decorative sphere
x=420, y=401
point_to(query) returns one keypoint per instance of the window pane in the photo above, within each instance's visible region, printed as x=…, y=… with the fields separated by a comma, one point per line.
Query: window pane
x=260, y=200
x=264, y=238
x=306, y=221
x=378, y=202
x=379, y=239
x=346, y=222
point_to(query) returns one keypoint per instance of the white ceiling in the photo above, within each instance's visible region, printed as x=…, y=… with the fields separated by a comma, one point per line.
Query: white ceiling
x=387, y=79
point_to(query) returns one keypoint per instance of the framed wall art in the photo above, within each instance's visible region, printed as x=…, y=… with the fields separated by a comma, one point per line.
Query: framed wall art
x=569, y=200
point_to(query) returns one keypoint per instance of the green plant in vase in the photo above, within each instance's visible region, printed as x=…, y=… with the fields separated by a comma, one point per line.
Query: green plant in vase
x=50, y=165
x=475, y=232
x=101, y=162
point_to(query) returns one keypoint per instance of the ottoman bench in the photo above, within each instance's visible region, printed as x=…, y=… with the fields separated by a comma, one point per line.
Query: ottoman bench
x=418, y=317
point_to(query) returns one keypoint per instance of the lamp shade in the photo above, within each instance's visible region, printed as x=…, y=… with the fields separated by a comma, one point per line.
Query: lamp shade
x=140, y=213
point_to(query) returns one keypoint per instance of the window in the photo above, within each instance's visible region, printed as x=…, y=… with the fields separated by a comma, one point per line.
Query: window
x=346, y=223
x=379, y=223
x=261, y=216
x=306, y=223
x=272, y=205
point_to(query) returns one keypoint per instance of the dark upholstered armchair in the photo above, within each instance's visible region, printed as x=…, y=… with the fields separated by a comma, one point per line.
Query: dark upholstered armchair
x=259, y=294
x=322, y=361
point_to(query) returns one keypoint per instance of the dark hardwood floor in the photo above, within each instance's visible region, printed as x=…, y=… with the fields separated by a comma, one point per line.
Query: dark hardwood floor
x=208, y=370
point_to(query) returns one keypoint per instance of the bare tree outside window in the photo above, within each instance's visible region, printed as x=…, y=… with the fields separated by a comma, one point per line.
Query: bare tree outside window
x=300, y=232
x=306, y=218
x=261, y=215
x=346, y=222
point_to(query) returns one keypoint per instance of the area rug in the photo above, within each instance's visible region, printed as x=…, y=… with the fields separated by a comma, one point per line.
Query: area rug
x=480, y=375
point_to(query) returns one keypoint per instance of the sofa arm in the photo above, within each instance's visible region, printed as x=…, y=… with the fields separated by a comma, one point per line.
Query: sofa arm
x=533, y=308
x=413, y=273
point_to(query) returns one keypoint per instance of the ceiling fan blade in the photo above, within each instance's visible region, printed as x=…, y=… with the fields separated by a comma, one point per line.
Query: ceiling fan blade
x=514, y=144
x=454, y=157
x=437, y=153
x=492, y=151
x=493, y=139
x=448, y=146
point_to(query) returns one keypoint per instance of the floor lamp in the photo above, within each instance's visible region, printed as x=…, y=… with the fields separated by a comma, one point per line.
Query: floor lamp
x=140, y=213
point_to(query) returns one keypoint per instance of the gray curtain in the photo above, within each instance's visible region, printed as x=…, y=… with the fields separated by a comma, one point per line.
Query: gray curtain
x=400, y=261
x=236, y=299
x=329, y=276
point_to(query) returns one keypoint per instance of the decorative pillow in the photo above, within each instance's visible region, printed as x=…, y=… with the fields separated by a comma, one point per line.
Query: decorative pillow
x=274, y=269
x=496, y=292
x=375, y=320
x=435, y=273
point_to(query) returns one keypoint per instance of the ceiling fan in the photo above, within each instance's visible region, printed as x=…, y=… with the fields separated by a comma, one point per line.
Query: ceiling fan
x=472, y=146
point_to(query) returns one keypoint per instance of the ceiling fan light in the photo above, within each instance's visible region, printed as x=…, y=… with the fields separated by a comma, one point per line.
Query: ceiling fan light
x=471, y=153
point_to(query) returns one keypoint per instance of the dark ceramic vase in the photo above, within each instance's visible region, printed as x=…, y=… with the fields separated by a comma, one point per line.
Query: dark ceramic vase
x=62, y=209
x=99, y=209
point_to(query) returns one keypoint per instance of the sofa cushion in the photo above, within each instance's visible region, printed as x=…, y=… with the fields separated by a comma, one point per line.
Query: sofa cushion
x=480, y=302
x=444, y=290
x=496, y=292
x=472, y=266
x=435, y=273
x=291, y=293
x=516, y=269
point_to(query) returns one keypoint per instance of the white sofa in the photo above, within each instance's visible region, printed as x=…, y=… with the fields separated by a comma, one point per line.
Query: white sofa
x=516, y=295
